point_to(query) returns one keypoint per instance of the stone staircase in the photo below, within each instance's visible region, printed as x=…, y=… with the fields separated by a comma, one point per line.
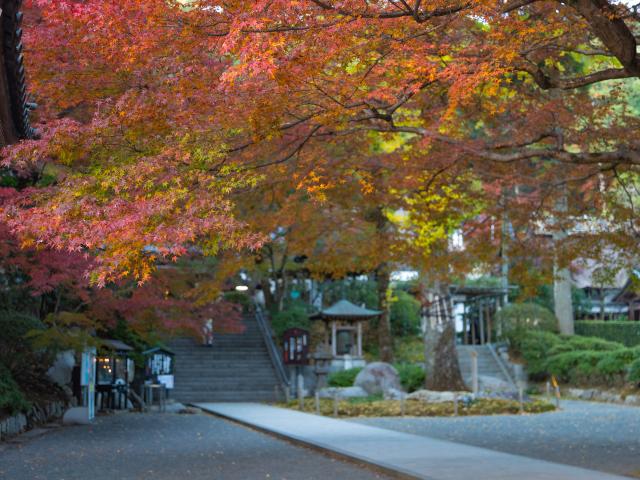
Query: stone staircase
x=237, y=368
x=488, y=366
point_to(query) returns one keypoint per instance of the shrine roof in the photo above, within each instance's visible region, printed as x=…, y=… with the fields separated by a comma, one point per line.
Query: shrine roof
x=344, y=309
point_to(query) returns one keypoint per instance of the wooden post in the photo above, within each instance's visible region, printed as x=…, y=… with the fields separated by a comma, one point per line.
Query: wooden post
x=481, y=321
x=335, y=405
x=359, y=339
x=489, y=323
x=317, y=403
x=455, y=404
x=548, y=390
x=300, y=389
x=402, y=405
x=521, y=399
x=334, y=348
x=474, y=371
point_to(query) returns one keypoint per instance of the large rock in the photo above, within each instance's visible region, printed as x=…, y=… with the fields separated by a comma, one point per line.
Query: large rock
x=378, y=377
x=432, y=396
x=342, y=392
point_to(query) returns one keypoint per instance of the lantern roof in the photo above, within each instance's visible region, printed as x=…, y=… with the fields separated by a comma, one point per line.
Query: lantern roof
x=345, y=310
x=158, y=349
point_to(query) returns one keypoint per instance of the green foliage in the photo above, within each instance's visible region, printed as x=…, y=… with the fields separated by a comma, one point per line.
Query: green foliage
x=625, y=332
x=634, y=371
x=356, y=291
x=573, y=366
x=240, y=298
x=405, y=314
x=518, y=318
x=411, y=376
x=576, y=342
x=12, y=400
x=578, y=360
x=16, y=352
x=409, y=349
x=294, y=315
x=534, y=348
x=343, y=378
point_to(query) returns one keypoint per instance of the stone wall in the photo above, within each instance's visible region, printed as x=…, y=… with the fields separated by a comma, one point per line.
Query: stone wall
x=24, y=421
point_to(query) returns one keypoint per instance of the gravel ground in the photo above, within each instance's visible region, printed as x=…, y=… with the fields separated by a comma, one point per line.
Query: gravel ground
x=591, y=435
x=130, y=446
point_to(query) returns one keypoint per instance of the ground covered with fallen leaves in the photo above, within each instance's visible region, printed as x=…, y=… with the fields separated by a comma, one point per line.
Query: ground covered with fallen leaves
x=596, y=436
x=132, y=446
x=414, y=408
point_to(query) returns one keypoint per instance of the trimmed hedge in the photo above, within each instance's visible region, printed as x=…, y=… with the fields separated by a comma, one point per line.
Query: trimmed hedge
x=625, y=332
x=579, y=360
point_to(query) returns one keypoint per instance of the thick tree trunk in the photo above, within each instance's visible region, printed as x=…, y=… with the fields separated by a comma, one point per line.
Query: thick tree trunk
x=385, y=340
x=441, y=359
x=563, y=307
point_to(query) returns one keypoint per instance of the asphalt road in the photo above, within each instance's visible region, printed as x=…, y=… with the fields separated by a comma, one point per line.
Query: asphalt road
x=591, y=435
x=131, y=446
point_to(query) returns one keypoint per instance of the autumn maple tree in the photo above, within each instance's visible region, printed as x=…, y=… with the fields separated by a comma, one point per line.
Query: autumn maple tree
x=160, y=120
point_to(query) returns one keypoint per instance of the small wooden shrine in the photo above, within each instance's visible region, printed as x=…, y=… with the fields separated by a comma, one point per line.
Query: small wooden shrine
x=343, y=332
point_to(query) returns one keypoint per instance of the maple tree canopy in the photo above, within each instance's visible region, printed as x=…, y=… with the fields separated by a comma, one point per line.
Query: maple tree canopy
x=160, y=119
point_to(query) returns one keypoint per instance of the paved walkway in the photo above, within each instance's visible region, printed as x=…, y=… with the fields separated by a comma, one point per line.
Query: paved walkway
x=591, y=435
x=132, y=446
x=413, y=455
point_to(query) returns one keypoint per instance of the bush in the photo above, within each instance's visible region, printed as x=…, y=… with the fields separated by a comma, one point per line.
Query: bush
x=625, y=332
x=634, y=371
x=518, y=318
x=405, y=314
x=295, y=315
x=574, y=343
x=574, y=366
x=343, y=378
x=409, y=349
x=12, y=400
x=411, y=376
x=239, y=298
x=534, y=348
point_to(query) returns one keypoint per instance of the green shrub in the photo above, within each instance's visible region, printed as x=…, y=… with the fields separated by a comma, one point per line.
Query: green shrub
x=517, y=319
x=634, y=371
x=625, y=332
x=295, y=315
x=617, y=362
x=343, y=378
x=409, y=349
x=240, y=298
x=534, y=348
x=575, y=343
x=405, y=314
x=411, y=376
x=12, y=400
x=573, y=366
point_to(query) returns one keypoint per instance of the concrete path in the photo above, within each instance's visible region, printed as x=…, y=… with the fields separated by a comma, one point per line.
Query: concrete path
x=412, y=455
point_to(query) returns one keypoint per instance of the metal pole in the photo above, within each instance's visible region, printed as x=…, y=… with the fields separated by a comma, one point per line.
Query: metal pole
x=317, y=403
x=335, y=405
x=455, y=404
x=402, y=405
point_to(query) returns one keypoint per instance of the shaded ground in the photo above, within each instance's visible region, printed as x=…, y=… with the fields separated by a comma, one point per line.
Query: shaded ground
x=591, y=435
x=167, y=447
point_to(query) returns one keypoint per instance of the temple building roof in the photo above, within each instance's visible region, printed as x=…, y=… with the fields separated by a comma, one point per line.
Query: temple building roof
x=345, y=310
